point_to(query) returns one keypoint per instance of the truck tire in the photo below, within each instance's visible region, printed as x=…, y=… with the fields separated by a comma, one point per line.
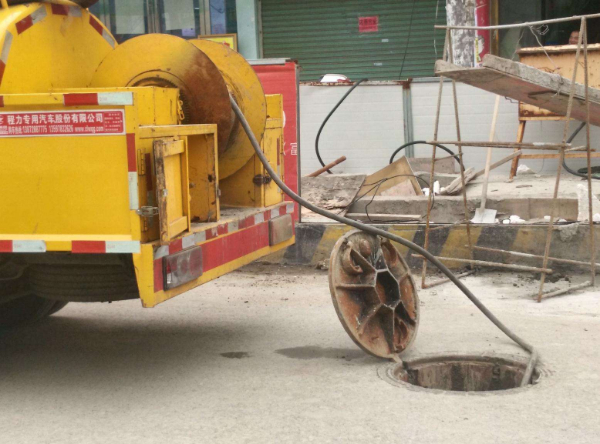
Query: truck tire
x=24, y=311
x=58, y=306
x=83, y=283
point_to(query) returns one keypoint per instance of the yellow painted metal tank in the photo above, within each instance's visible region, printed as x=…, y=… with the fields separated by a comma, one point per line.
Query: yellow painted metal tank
x=46, y=46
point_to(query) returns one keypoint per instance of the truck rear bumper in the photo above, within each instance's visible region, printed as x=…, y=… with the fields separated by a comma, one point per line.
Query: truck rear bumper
x=240, y=237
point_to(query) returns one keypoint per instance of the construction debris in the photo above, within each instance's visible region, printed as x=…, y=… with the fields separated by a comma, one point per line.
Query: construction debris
x=334, y=192
x=456, y=186
x=396, y=179
x=446, y=165
x=584, y=206
x=523, y=170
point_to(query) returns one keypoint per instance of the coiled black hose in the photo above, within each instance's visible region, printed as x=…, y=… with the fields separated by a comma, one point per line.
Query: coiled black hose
x=565, y=166
x=378, y=232
x=317, y=151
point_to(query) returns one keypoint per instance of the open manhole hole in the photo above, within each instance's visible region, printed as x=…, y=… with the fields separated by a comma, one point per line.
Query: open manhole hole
x=460, y=373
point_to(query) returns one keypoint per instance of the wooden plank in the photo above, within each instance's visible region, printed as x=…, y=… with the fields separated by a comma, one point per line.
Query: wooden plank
x=500, y=163
x=562, y=62
x=555, y=49
x=173, y=202
x=526, y=84
x=456, y=186
x=389, y=177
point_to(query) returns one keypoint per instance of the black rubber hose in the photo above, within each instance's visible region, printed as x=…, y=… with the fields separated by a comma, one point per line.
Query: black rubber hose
x=565, y=166
x=417, y=142
x=317, y=151
x=378, y=232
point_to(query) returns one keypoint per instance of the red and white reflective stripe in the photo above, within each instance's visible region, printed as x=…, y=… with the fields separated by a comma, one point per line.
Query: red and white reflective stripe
x=134, y=198
x=98, y=99
x=221, y=251
x=22, y=246
x=36, y=16
x=221, y=230
x=8, y=39
x=234, y=226
x=103, y=32
x=260, y=218
x=105, y=247
x=80, y=247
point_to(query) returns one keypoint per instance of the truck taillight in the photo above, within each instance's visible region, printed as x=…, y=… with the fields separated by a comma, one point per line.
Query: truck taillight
x=183, y=267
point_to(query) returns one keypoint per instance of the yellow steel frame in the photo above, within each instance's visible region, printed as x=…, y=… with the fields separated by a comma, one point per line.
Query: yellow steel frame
x=240, y=189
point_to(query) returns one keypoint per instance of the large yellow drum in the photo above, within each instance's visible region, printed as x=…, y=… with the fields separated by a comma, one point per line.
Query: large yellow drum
x=46, y=46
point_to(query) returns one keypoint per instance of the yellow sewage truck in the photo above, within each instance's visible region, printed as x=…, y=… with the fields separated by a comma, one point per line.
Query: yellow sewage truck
x=124, y=173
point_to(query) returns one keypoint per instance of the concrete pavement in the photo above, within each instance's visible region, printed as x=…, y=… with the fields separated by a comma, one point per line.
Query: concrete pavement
x=260, y=356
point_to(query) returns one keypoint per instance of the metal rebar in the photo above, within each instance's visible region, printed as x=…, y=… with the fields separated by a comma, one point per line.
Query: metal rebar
x=527, y=145
x=566, y=290
x=431, y=177
x=560, y=162
x=533, y=256
x=444, y=281
x=491, y=264
x=589, y=155
x=520, y=25
x=460, y=156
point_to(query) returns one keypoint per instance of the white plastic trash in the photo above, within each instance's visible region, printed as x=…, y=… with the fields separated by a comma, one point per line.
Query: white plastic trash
x=524, y=169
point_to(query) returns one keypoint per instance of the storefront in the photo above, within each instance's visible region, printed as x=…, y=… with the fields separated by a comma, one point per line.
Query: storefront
x=374, y=39
x=507, y=42
x=184, y=18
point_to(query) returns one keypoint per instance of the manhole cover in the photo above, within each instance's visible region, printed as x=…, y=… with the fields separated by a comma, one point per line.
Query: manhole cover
x=460, y=373
x=374, y=294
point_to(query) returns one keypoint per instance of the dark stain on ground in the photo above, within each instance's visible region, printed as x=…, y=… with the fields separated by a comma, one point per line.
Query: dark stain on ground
x=236, y=355
x=314, y=352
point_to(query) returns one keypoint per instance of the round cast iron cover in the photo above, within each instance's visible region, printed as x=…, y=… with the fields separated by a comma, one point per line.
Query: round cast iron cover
x=374, y=294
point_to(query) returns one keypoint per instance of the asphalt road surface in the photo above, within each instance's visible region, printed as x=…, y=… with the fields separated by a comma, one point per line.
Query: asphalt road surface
x=259, y=356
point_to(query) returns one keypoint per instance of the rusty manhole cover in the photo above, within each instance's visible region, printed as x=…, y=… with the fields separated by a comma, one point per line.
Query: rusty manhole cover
x=456, y=373
x=374, y=294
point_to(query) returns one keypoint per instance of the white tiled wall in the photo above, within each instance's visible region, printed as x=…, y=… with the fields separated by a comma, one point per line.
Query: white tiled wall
x=475, y=114
x=476, y=108
x=366, y=128
x=369, y=126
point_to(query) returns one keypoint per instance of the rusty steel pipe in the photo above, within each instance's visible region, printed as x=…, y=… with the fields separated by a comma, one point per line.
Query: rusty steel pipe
x=327, y=167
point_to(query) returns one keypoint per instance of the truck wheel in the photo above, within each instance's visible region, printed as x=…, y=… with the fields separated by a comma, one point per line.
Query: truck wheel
x=24, y=311
x=84, y=283
x=58, y=306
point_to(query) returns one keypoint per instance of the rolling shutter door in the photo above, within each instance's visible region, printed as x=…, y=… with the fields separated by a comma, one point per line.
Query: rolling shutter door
x=325, y=36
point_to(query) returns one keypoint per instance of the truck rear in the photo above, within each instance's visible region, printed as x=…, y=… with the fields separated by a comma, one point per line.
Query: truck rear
x=124, y=175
